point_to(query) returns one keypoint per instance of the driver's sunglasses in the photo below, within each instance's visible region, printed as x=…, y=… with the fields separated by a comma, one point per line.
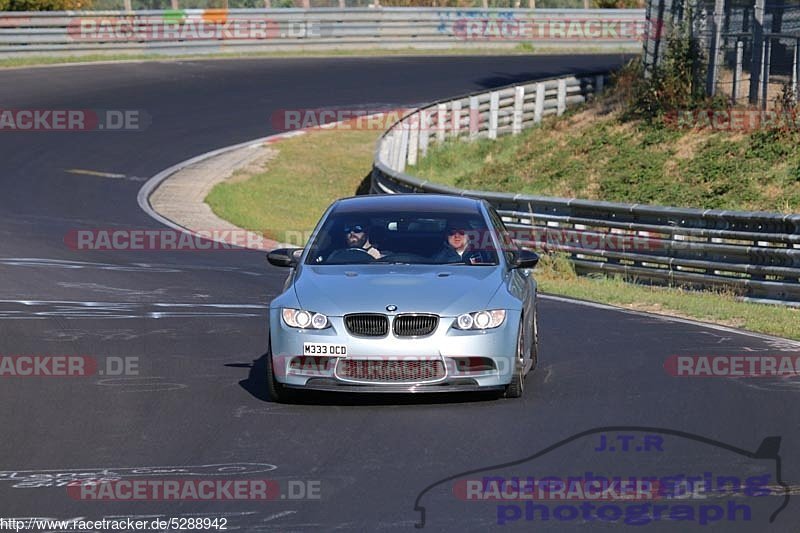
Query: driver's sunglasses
x=354, y=229
x=456, y=232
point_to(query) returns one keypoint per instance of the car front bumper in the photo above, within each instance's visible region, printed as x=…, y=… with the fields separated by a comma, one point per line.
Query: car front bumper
x=455, y=349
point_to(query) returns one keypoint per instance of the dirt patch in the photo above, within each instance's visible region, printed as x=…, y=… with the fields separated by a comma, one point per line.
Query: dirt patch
x=660, y=310
x=688, y=144
x=592, y=189
x=257, y=165
x=686, y=149
x=589, y=117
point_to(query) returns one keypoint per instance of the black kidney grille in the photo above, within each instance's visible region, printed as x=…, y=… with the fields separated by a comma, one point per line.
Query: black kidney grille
x=415, y=325
x=391, y=371
x=367, y=325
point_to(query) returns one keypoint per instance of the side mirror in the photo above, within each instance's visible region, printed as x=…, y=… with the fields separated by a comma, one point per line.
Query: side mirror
x=525, y=259
x=284, y=257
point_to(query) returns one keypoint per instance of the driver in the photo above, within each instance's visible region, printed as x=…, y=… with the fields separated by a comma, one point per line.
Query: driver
x=357, y=236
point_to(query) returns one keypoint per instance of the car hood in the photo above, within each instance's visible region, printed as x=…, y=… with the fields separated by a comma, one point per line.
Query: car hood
x=443, y=290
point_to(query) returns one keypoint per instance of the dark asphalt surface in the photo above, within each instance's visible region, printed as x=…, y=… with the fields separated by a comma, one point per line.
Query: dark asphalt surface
x=197, y=324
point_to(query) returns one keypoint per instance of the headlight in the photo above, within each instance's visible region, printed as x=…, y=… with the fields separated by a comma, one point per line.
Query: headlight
x=300, y=318
x=480, y=319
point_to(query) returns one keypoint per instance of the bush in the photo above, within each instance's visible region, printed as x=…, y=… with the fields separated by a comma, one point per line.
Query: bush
x=678, y=83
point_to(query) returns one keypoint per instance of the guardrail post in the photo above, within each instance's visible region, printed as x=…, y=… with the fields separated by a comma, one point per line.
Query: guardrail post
x=441, y=115
x=396, y=145
x=413, y=138
x=455, y=122
x=401, y=163
x=538, y=107
x=386, y=152
x=424, y=132
x=519, y=100
x=561, y=101
x=474, y=117
x=494, y=104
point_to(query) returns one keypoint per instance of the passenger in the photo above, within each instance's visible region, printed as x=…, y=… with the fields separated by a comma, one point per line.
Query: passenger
x=456, y=244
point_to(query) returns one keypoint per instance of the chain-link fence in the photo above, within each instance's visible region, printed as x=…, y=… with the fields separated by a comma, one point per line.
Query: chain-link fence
x=758, y=52
x=751, y=48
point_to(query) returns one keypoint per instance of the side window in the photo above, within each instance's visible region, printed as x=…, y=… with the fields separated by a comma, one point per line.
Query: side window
x=507, y=243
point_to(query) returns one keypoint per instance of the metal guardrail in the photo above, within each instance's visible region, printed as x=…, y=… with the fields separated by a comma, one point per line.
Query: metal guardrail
x=244, y=30
x=756, y=253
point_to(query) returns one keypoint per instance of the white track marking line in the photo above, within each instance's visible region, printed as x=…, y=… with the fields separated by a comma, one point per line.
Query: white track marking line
x=762, y=336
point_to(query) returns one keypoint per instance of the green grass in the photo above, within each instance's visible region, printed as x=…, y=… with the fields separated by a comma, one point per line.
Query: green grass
x=555, y=275
x=309, y=172
x=521, y=49
x=312, y=170
x=594, y=155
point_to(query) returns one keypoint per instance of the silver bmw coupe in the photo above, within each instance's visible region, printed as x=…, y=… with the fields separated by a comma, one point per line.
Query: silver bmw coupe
x=404, y=293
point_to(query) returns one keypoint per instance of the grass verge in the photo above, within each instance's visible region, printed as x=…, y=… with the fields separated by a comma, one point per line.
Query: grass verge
x=556, y=275
x=307, y=174
x=594, y=153
x=287, y=198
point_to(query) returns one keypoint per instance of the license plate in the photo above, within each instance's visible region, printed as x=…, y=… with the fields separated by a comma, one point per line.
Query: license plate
x=320, y=348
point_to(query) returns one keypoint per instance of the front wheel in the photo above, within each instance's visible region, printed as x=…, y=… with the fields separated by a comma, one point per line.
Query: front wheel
x=276, y=391
x=517, y=385
x=535, y=343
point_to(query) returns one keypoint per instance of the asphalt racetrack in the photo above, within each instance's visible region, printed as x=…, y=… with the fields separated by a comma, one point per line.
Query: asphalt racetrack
x=194, y=323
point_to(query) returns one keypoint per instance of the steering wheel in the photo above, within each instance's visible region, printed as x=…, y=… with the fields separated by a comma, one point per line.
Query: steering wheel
x=350, y=255
x=403, y=257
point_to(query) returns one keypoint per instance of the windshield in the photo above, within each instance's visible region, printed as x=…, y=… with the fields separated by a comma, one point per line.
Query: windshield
x=403, y=238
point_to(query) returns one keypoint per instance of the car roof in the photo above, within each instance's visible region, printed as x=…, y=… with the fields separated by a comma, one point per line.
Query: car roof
x=409, y=202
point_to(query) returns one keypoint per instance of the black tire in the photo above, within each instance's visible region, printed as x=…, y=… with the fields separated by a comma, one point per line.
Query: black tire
x=276, y=391
x=535, y=343
x=517, y=385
